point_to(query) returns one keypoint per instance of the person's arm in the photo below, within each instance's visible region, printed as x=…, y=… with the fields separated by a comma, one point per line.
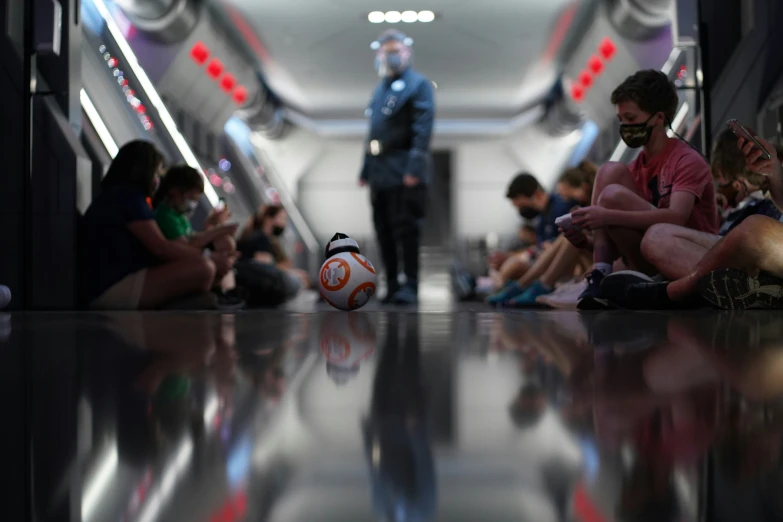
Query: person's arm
x=770, y=168
x=148, y=233
x=421, y=129
x=678, y=213
x=201, y=239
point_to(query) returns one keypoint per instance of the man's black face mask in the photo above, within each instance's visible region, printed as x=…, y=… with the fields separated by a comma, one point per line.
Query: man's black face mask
x=529, y=212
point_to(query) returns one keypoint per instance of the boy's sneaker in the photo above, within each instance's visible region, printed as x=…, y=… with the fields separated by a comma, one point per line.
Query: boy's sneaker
x=591, y=298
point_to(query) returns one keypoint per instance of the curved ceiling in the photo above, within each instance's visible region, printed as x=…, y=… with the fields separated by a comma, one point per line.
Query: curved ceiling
x=486, y=58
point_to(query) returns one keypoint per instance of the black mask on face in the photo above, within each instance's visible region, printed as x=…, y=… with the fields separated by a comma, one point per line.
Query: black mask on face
x=529, y=212
x=278, y=231
x=636, y=135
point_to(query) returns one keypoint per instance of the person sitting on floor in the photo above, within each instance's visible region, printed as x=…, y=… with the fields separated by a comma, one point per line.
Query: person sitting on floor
x=742, y=270
x=174, y=203
x=125, y=262
x=558, y=259
x=675, y=250
x=260, y=241
x=668, y=183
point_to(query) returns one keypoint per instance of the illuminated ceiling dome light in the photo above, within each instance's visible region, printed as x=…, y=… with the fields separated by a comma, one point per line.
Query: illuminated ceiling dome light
x=426, y=16
x=409, y=17
x=376, y=17
x=393, y=17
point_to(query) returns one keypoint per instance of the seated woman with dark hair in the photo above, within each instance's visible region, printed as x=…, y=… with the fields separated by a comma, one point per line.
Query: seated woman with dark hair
x=260, y=241
x=125, y=262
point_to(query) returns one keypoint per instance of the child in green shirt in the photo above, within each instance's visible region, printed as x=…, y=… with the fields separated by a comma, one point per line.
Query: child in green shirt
x=175, y=201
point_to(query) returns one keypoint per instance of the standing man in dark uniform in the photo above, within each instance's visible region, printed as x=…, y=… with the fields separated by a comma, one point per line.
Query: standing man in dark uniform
x=397, y=161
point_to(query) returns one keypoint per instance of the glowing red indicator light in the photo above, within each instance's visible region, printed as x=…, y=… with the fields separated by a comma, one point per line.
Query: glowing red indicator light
x=240, y=95
x=595, y=65
x=199, y=53
x=228, y=82
x=215, y=68
x=577, y=93
x=607, y=48
x=586, y=79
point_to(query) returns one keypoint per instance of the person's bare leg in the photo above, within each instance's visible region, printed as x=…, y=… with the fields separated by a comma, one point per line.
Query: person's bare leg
x=546, y=258
x=562, y=266
x=675, y=251
x=626, y=242
x=755, y=244
x=226, y=244
x=177, y=279
x=513, y=268
x=610, y=174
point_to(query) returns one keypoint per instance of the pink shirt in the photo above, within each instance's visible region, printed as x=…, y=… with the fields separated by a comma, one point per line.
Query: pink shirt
x=678, y=168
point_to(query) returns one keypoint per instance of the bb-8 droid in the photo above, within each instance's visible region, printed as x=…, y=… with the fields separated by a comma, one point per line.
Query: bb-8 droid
x=347, y=280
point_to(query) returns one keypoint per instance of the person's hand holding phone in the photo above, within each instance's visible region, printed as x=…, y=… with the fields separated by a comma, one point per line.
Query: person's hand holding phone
x=755, y=159
x=219, y=215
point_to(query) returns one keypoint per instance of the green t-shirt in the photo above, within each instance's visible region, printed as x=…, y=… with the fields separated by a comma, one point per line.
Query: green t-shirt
x=173, y=224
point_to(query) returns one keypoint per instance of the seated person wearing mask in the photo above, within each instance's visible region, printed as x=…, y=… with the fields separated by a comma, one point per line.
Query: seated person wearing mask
x=742, y=270
x=125, y=263
x=260, y=241
x=174, y=203
x=527, y=195
x=669, y=182
x=676, y=250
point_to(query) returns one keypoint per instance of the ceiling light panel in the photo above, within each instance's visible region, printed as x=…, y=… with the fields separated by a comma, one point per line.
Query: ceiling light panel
x=395, y=17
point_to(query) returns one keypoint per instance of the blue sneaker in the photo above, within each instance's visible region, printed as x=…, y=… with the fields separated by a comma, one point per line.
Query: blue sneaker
x=510, y=291
x=407, y=295
x=528, y=298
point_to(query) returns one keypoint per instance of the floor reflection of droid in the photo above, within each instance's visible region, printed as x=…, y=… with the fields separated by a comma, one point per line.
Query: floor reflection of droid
x=397, y=444
x=346, y=341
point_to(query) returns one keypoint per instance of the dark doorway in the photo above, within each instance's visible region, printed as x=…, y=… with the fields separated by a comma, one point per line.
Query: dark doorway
x=437, y=226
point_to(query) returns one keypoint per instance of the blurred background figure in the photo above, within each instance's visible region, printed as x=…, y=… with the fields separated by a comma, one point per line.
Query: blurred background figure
x=397, y=161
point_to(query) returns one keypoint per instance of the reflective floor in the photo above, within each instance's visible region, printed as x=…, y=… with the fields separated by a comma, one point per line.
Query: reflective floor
x=393, y=416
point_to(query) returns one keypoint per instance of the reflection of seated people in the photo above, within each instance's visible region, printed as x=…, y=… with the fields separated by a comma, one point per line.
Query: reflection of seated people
x=260, y=242
x=748, y=471
x=262, y=357
x=397, y=444
x=125, y=263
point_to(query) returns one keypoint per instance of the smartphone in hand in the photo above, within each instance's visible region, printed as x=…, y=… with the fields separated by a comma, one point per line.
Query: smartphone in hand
x=564, y=222
x=740, y=131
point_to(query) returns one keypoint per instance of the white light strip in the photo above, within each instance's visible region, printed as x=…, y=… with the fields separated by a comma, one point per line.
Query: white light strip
x=152, y=94
x=679, y=118
x=100, y=481
x=97, y=122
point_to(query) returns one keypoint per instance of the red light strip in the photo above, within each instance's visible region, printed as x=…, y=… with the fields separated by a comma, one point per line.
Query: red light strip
x=595, y=66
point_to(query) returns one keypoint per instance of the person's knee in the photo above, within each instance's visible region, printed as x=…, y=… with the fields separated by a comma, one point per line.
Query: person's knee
x=652, y=245
x=225, y=244
x=615, y=196
x=612, y=172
